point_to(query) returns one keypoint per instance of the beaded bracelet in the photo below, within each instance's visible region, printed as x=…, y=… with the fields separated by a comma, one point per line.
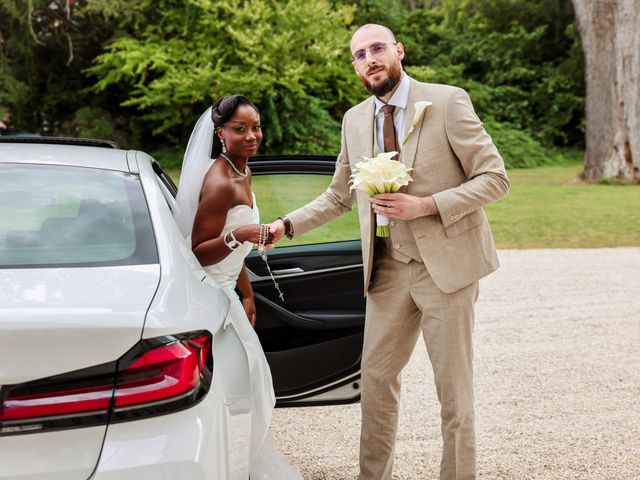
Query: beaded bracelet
x=263, y=236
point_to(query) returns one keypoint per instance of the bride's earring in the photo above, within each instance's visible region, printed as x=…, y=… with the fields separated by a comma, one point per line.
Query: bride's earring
x=224, y=147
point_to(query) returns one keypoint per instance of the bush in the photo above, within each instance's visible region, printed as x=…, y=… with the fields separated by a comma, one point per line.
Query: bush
x=520, y=150
x=501, y=110
x=521, y=62
x=169, y=157
x=91, y=122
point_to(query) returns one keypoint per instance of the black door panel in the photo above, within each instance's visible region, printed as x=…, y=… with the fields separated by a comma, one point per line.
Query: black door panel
x=326, y=319
x=286, y=317
x=327, y=358
x=314, y=337
x=331, y=279
x=308, y=258
x=333, y=290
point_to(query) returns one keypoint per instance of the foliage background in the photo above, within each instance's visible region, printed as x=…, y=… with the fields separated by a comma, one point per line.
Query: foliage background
x=141, y=71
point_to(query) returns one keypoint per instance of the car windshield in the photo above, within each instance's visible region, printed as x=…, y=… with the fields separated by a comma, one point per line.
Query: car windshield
x=60, y=216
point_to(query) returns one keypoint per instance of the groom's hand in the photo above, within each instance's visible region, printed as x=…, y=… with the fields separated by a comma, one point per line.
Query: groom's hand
x=276, y=229
x=403, y=206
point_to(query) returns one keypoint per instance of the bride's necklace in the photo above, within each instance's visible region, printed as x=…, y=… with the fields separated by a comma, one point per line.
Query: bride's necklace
x=233, y=166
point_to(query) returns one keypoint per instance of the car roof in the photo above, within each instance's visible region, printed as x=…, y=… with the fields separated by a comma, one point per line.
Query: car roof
x=72, y=155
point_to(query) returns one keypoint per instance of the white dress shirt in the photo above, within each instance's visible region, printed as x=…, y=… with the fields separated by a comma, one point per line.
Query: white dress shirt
x=399, y=100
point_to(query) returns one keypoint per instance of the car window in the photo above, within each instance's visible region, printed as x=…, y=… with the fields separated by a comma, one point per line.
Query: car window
x=279, y=194
x=71, y=216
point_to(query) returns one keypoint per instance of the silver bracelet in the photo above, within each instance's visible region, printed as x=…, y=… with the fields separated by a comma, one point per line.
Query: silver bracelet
x=234, y=243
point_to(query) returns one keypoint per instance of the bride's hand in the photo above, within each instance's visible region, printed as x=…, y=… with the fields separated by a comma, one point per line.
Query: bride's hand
x=251, y=233
x=247, y=233
x=250, y=309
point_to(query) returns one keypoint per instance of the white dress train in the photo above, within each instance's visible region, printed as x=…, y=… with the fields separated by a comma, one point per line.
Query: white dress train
x=255, y=400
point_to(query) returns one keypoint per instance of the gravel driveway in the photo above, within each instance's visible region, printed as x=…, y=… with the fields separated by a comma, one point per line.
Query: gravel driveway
x=557, y=355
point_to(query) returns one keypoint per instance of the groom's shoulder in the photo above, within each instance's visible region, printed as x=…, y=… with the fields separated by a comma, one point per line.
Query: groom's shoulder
x=436, y=90
x=360, y=108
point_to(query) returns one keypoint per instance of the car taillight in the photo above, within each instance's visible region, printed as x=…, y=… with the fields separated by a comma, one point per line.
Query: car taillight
x=157, y=376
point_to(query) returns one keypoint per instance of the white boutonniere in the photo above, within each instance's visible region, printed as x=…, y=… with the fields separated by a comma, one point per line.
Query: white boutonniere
x=420, y=107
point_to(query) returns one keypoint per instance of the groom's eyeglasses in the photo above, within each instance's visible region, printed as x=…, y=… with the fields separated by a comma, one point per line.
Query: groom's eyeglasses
x=375, y=49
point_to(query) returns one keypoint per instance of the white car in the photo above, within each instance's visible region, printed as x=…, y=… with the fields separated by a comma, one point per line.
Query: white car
x=106, y=362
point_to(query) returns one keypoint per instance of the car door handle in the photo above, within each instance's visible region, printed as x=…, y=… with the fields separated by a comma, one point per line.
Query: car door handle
x=288, y=271
x=334, y=319
x=287, y=317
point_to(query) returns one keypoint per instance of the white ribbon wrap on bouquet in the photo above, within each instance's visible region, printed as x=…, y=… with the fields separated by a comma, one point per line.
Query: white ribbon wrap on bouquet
x=381, y=220
x=382, y=226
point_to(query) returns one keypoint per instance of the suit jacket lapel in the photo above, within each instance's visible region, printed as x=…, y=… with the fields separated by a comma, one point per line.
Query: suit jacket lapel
x=408, y=155
x=366, y=129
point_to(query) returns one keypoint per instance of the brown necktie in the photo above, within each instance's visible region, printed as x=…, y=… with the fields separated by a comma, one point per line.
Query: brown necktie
x=390, y=139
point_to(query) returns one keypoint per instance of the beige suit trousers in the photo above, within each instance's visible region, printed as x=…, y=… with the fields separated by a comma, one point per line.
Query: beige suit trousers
x=402, y=301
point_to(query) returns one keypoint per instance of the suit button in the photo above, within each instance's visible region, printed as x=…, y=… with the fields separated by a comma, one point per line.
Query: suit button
x=397, y=246
x=392, y=223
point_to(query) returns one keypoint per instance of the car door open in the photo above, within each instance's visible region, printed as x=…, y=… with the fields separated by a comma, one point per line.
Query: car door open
x=312, y=339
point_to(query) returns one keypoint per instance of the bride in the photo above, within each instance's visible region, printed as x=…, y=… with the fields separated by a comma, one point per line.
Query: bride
x=217, y=210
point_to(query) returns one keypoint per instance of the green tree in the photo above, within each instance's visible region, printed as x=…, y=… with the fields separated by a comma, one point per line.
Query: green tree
x=521, y=62
x=289, y=57
x=141, y=71
x=44, y=47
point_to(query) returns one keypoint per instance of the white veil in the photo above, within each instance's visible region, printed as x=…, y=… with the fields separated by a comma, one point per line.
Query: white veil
x=196, y=163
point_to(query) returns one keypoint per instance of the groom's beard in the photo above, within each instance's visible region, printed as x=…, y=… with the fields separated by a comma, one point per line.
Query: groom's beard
x=394, y=75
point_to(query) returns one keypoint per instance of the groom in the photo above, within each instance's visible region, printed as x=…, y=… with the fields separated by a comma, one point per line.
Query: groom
x=424, y=277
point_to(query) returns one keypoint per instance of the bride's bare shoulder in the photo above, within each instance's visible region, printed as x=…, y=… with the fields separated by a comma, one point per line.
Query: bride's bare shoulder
x=217, y=187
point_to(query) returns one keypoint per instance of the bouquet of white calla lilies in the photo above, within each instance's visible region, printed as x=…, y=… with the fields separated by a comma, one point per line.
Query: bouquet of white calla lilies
x=420, y=107
x=380, y=174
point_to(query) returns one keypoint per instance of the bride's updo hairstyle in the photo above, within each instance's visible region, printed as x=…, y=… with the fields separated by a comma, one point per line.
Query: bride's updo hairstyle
x=221, y=111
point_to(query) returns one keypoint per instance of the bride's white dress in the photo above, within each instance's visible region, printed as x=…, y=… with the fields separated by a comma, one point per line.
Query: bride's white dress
x=254, y=401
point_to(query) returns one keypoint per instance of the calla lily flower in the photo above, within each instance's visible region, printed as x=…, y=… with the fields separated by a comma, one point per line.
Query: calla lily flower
x=420, y=107
x=380, y=174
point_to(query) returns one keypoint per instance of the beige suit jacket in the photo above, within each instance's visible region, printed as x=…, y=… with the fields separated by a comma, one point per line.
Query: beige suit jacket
x=454, y=160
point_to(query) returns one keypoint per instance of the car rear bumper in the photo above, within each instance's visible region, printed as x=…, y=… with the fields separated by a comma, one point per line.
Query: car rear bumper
x=209, y=441
x=60, y=455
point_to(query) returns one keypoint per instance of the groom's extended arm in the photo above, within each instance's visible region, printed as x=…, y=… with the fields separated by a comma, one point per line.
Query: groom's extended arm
x=333, y=202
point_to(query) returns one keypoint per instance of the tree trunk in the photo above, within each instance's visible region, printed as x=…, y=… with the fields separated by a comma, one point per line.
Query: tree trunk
x=610, y=34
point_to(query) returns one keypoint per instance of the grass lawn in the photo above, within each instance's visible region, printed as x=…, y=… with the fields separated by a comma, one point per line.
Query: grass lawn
x=547, y=207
